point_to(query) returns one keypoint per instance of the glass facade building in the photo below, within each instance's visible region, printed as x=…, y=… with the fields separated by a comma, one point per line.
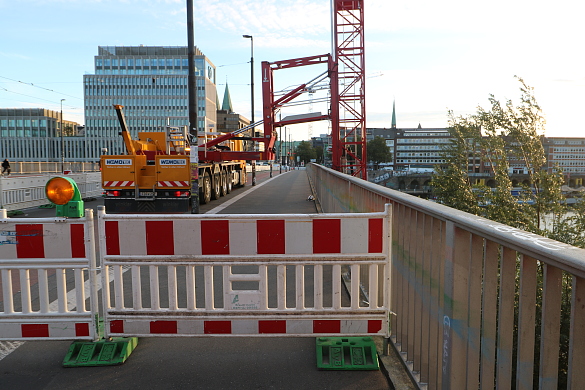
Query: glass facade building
x=151, y=83
x=33, y=134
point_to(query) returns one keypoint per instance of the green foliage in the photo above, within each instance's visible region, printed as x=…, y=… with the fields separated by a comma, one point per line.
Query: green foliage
x=319, y=153
x=378, y=151
x=305, y=152
x=501, y=134
x=498, y=135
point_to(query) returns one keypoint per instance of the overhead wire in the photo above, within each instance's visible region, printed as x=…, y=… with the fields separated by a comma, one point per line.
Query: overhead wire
x=34, y=97
x=37, y=86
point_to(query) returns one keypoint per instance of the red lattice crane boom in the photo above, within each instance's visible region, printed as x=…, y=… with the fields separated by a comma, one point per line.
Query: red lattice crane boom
x=346, y=72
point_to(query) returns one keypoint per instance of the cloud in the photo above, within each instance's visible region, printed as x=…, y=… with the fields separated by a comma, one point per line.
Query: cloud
x=14, y=56
x=272, y=20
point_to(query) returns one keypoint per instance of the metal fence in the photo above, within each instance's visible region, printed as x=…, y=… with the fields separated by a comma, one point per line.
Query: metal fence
x=477, y=304
x=25, y=191
x=26, y=167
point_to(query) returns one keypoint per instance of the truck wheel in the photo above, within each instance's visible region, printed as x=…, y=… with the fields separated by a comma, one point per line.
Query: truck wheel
x=216, y=186
x=242, y=174
x=224, y=180
x=229, y=178
x=205, y=195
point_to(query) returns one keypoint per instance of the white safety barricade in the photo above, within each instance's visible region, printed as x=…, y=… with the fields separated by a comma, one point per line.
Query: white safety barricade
x=245, y=275
x=40, y=261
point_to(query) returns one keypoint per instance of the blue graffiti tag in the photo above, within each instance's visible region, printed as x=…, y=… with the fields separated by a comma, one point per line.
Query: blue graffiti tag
x=9, y=237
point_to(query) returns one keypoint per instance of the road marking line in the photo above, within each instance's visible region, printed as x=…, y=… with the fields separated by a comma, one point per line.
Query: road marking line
x=240, y=196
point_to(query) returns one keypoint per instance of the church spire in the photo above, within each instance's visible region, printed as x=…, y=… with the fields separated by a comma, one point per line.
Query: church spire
x=394, y=114
x=227, y=100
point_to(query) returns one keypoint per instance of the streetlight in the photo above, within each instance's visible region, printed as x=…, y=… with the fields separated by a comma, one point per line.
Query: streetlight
x=252, y=97
x=62, y=148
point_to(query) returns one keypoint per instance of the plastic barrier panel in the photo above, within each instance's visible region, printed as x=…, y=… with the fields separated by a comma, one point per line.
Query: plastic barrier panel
x=245, y=275
x=47, y=269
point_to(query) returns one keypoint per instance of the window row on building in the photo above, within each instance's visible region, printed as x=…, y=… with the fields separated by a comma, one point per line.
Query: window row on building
x=423, y=141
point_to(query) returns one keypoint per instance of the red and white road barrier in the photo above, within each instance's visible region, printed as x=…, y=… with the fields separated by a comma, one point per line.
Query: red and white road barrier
x=33, y=254
x=236, y=236
x=299, y=265
x=143, y=327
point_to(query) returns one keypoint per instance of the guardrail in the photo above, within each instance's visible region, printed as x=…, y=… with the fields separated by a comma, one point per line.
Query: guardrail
x=25, y=191
x=467, y=292
x=27, y=167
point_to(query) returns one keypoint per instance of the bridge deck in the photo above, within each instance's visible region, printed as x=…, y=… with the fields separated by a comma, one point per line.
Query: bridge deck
x=203, y=363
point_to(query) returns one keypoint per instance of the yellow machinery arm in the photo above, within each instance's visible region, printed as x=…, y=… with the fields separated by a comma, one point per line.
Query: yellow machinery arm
x=125, y=134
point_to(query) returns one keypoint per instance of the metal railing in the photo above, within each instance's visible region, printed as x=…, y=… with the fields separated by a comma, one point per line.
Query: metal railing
x=26, y=167
x=477, y=304
x=22, y=192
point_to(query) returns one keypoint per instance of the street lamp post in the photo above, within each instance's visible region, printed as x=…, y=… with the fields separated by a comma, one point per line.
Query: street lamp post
x=252, y=100
x=62, y=147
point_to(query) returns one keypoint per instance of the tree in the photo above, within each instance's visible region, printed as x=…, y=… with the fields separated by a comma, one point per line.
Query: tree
x=378, y=151
x=319, y=153
x=450, y=181
x=68, y=131
x=305, y=152
x=502, y=133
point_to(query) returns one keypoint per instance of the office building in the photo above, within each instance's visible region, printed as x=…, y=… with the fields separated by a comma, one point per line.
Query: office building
x=151, y=83
x=34, y=134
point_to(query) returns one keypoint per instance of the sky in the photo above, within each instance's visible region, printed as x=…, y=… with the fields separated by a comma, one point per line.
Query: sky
x=428, y=56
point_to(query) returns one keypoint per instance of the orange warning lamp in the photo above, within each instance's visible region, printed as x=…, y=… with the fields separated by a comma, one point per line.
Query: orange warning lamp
x=63, y=192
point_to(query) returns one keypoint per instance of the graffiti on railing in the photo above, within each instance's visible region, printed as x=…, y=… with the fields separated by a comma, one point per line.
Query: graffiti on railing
x=446, y=342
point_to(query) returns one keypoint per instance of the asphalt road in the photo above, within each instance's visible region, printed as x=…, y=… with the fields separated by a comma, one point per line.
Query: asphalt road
x=200, y=363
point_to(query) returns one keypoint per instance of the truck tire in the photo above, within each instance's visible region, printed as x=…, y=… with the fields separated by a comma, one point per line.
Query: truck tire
x=216, y=186
x=224, y=180
x=242, y=177
x=229, y=181
x=205, y=195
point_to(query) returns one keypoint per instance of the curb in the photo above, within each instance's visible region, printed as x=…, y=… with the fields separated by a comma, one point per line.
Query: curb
x=392, y=365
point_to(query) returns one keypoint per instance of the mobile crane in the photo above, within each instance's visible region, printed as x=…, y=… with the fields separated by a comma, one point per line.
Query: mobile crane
x=155, y=175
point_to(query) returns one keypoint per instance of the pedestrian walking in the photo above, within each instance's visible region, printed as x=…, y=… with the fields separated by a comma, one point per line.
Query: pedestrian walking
x=5, y=167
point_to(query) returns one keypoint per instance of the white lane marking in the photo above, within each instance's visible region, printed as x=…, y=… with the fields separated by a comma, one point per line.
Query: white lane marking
x=240, y=196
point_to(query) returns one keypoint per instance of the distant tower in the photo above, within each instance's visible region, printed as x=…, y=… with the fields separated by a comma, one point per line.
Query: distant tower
x=394, y=114
x=227, y=100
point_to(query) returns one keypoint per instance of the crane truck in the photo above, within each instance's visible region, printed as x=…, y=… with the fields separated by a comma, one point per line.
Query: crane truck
x=155, y=176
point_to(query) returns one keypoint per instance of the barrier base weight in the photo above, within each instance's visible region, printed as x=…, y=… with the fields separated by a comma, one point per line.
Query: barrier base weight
x=347, y=353
x=100, y=353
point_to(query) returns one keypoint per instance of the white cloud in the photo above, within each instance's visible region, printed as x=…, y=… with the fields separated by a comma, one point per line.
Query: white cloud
x=14, y=55
x=289, y=22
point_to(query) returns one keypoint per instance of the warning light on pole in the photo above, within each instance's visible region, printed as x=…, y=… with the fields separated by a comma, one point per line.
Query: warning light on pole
x=63, y=192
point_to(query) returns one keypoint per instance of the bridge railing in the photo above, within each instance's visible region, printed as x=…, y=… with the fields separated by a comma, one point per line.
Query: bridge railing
x=477, y=304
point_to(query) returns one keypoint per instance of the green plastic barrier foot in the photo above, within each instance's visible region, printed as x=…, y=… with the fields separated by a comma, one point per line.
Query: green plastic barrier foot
x=100, y=353
x=47, y=206
x=14, y=213
x=347, y=353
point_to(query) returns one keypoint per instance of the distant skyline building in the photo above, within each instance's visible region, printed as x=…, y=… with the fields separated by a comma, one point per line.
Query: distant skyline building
x=34, y=134
x=151, y=83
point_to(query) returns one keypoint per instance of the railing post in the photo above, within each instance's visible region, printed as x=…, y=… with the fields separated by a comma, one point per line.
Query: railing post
x=457, y=254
